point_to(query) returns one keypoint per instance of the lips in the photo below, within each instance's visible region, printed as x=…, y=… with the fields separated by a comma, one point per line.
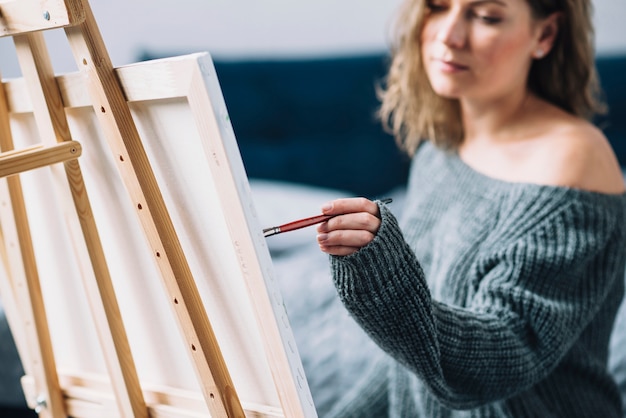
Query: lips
x=449, y=66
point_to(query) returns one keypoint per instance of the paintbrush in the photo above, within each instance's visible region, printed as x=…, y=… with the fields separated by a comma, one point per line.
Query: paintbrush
x=303, y=223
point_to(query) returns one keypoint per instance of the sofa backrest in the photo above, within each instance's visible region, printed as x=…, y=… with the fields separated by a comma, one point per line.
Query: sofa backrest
x=313, y=121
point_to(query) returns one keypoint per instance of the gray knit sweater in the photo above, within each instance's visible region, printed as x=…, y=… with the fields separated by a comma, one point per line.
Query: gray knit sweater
x=497, y=299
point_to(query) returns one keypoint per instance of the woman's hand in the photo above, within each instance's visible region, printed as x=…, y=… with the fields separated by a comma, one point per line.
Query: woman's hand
x=356, y=223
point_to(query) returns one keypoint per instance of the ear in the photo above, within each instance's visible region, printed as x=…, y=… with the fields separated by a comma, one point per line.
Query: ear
x=546, y=31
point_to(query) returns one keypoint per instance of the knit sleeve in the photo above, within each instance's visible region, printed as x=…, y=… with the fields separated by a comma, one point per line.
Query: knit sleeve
x=536, y=294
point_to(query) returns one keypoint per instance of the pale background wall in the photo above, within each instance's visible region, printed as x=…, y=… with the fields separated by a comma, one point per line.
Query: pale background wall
x=261, y=28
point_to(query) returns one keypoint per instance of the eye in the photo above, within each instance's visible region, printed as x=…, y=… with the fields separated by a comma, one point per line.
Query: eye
x=484, y=16
x=489, y=20
x=435, y=7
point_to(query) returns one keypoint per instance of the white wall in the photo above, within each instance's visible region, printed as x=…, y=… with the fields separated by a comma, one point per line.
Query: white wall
x=249, y=28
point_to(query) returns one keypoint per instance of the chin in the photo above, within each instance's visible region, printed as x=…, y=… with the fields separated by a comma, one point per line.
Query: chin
x=445, y=88
x=447, y=92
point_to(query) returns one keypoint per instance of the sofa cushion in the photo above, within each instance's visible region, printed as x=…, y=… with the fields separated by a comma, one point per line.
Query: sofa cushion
x=313, y=122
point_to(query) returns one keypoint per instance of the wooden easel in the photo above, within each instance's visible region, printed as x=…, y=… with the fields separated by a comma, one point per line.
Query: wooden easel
x=47, y=391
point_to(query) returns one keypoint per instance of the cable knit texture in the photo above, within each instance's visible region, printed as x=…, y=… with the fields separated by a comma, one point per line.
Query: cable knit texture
x=494, y=299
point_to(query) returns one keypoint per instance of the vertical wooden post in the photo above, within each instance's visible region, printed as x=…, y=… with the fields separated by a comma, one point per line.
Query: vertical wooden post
x=121, y=133
x=7, y=293
x=53, y=127
x=27, y=289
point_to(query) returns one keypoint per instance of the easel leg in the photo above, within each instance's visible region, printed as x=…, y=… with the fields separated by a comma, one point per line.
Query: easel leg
x=53, y=127
x=119, y=128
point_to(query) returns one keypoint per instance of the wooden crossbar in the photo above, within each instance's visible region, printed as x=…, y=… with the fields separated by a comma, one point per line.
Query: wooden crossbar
x=90, y=395
x=19, y=161
x=23, y=16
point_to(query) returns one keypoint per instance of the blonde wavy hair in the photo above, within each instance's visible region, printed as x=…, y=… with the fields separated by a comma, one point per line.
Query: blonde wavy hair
x=566, y=77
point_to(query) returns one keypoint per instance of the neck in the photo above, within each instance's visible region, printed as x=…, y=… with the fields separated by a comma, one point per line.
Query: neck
x=495, y=120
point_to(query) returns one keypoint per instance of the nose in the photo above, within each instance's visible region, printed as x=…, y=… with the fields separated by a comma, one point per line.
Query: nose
x=452, y=30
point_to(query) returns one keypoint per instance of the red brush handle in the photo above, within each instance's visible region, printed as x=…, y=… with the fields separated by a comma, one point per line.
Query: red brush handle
x=303, y=223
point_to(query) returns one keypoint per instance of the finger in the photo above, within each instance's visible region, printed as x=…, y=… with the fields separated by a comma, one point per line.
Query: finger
x=345, y=238
x=350, y=205
x=353, y=221
x=341, y=251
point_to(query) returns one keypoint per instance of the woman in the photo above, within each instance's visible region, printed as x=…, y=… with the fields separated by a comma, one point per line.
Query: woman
x=497, y=295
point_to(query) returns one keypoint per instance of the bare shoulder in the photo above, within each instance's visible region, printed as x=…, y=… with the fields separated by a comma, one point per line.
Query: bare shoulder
x=577, y=154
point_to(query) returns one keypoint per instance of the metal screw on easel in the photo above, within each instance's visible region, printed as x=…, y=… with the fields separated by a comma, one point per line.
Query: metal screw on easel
x=46, y=15
x=41, y=403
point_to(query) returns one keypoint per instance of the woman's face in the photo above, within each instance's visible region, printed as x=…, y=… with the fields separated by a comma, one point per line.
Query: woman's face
x=478, y=49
